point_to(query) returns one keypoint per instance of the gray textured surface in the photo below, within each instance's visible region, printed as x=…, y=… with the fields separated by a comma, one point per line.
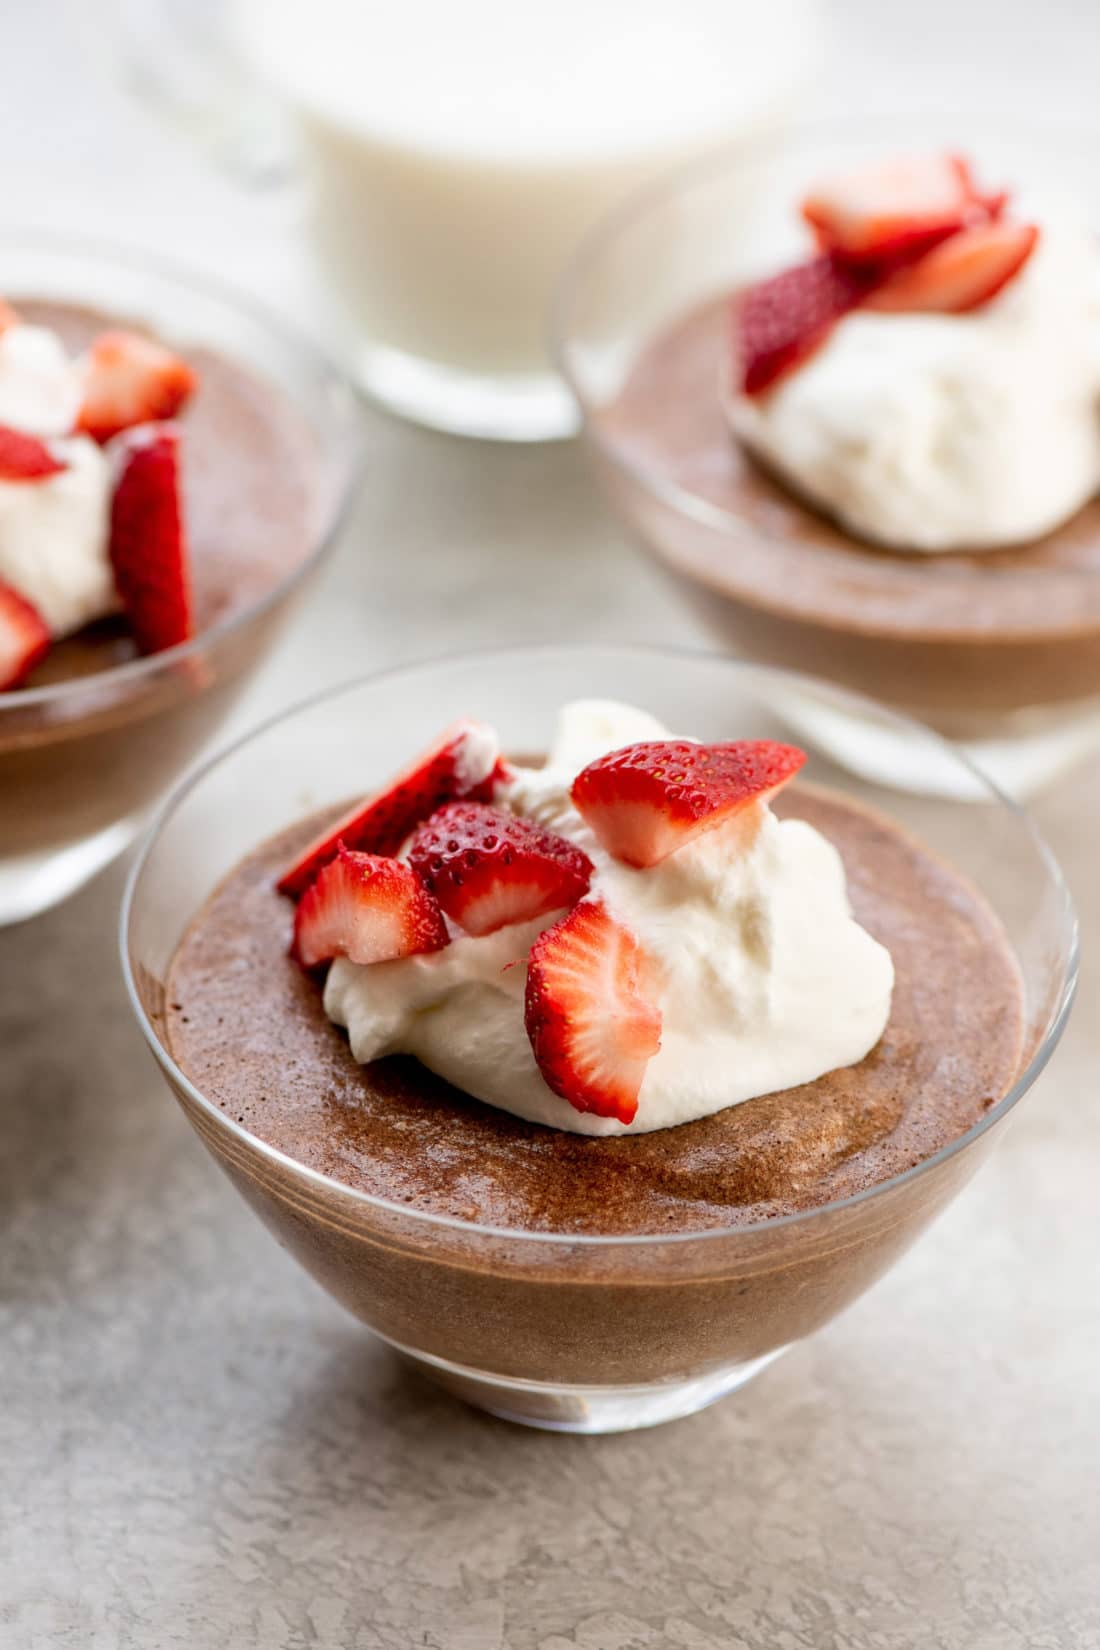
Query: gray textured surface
x=197, y=1449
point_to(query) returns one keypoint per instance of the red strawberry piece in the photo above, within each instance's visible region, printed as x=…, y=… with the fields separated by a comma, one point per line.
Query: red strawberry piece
x=148, y=541
x=779, y=322
x=962, y=273
x=488, y=868
x=24, y=639
x=25, y=458
x=991, y=204
x=367, y=908
x=592, y=1011
x=646, y=801
x=9, y=317
x=460, y=762
x=130, y=380
x=897, y=208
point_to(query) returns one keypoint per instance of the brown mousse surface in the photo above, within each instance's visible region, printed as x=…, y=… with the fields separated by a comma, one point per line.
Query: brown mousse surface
x=250, y=491
x=994, y=629
x=247, y=1027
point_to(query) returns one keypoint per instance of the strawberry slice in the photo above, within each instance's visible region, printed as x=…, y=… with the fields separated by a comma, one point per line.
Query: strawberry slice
x=488, y=868
x=898, y=207
x=462, y=762
x=148, y=543
x=367, y=908
x=592, y=1011
x=646, y=801
x=24, y=638
x=962, y=273
x=130, y=380
x=25, y=458
x=779, y=322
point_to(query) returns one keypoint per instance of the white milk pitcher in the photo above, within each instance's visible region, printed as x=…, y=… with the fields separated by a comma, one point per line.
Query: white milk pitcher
x=454, y=153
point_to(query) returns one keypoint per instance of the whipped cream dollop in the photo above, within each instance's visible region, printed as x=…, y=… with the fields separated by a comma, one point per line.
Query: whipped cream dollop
x=54, y=530
x=39, y=384
x=948, y=432
x=769, y=981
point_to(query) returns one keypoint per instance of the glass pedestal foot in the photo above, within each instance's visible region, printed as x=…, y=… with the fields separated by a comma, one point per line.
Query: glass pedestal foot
x=495, y=407
x=591, y=1409
x=31, y=883
x=1023, y=752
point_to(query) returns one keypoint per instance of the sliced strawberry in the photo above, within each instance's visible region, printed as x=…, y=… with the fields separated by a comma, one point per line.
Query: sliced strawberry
x=148, y=541
x=991, y=204
x=367, y=908
x=488, y=868
x=9, y=317
x=782, y=320
x=461, y=761
x=897, y=207
x=646, y=801
x=130, y=380
x=25, y=458
x=592, y=1011
x=24, y=639
x=962, y=273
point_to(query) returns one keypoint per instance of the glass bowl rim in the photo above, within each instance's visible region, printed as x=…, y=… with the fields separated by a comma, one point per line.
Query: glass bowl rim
x=137, y=260
x=195, y=776
x=715, y=161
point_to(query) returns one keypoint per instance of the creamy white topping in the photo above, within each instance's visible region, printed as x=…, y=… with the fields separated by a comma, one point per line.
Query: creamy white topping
x=476, y=754
x=769, y=981
x=54, y=536
x=950, y=432
x=54, y=530
x=39, y=385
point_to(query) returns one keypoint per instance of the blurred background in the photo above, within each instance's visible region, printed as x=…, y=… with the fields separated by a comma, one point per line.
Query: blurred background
x=100, y=161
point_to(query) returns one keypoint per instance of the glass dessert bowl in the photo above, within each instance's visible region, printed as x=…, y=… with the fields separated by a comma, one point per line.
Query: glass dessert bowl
x=264, y=455
x=585, y=1276
x=998, y=648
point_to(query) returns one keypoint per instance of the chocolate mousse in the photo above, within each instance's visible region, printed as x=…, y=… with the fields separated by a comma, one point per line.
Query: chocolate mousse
x=246, y=1025
x=250, y=494
x=106, y=740
x=962, y=634
x=501, y=1249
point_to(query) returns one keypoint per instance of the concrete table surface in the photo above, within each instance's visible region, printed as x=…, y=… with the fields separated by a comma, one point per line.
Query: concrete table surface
x=198, y=1449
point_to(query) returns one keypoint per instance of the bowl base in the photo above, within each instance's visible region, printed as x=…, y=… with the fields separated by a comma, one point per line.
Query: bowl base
x=1023, y=752
x=588, y=1409
x=32, y=883
x=493, y=407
